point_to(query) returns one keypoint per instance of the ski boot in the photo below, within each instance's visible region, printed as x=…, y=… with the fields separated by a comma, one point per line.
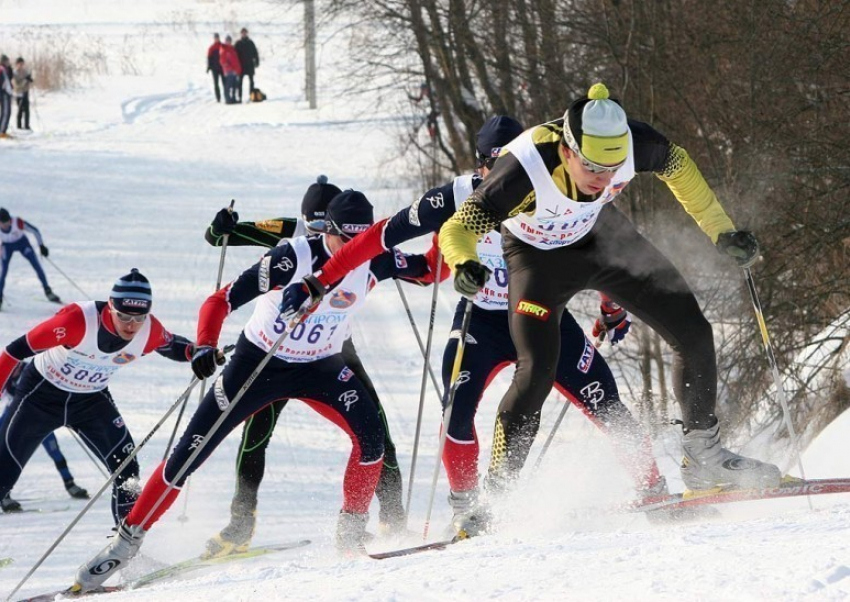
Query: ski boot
x=75, y=491
x=235, y=538
x=471, y=517
x=51, y=296
x=124, y=546
x=10, y=505
x=351, y=533
x=707, y=465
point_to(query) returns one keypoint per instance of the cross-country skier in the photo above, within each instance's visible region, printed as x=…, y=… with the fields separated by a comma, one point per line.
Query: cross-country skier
x=13, y=239
x=258, y=429
x=308, y=365
x=551, y=192
x=67, y=384
x=582, y=374
x=50, y=445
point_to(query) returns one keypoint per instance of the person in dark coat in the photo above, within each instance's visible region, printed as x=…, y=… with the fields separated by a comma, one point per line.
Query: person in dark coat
x=249, y=58
x=213, y=64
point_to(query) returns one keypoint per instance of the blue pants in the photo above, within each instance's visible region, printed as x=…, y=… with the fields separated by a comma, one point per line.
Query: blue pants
x=51, y=446
x=327, y=386
x=39, y=408
x=24, y=247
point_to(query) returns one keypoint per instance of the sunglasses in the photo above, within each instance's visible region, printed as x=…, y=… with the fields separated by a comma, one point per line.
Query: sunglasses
x=327, y=226
x=127, y=318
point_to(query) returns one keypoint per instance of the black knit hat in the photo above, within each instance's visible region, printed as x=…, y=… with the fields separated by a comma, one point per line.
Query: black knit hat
x=349, y=213
x=4, y=215
x=316, y=199
x=496, y=132
x=132, y=294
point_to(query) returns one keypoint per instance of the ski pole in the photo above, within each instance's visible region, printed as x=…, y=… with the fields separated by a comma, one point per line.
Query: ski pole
x=423, y=385
x=551, y=436
x=434, y=381
x=89, y=454
x=224, y=240
x=68, y=278
x=225, y=413
x=447, y=412
x=108, y=482
x=771, y=360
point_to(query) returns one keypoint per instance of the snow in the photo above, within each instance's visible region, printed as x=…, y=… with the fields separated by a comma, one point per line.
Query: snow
x=127, y=169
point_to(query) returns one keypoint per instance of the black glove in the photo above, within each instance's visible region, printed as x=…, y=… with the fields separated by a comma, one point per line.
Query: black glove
x=225, y=222
x=306, y=294
x=44, y=251
x=205, y=360
x=741, y=245
x=470, y=277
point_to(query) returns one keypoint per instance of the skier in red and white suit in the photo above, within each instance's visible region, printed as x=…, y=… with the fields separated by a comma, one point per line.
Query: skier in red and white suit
x=67, y=384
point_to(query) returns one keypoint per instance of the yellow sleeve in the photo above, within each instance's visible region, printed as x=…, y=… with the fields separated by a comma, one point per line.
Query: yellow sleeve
x=685, y=181
x=459, y=236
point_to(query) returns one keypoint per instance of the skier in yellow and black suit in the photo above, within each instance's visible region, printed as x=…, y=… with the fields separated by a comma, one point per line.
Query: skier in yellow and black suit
x=551, y=191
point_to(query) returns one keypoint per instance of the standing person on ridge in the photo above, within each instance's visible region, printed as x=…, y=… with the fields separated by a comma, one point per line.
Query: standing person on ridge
x=551, y=192
x=258, y=429
x=249, y=59
x=214, y=64
x=21, y=83
x=582, y=375
x=13, y=239
x=231, y=70
x=6, y=94
x=67, y=384
x=307, y=365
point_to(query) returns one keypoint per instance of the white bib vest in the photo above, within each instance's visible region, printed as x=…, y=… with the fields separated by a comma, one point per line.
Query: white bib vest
x=85, y=368
x=558, y=220
x=13, y=235
x=321, y=333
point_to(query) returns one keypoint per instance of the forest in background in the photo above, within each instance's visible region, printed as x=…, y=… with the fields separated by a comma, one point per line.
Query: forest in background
x=756, y=91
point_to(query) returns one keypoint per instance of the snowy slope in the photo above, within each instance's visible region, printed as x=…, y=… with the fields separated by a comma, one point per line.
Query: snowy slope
x=127, y=170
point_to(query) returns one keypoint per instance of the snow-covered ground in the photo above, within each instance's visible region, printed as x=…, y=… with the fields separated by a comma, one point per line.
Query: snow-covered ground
x=127, y=169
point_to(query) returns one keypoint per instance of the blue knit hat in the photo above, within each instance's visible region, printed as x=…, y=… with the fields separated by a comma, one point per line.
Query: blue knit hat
x=132, y=294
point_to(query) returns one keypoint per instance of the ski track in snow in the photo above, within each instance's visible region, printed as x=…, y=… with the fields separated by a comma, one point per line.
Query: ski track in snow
x=129, y=170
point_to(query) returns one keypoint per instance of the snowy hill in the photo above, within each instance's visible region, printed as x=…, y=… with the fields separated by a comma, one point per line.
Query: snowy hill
x=127, y=169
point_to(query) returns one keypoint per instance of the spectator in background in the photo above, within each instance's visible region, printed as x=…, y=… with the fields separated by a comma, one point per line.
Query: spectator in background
x=21, y=82
x=249, y=59
x=230, y=69
x=6, y=94
x=214, y=66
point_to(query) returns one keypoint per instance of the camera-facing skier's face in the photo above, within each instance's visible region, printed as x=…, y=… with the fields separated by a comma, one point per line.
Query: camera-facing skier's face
x=126, y=325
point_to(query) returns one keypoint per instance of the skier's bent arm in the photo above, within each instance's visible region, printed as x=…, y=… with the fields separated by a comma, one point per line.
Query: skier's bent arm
x=688, y=185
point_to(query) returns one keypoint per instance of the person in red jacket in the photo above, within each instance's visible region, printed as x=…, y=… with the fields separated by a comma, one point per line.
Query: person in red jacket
x=231, y=69
x=214, y=64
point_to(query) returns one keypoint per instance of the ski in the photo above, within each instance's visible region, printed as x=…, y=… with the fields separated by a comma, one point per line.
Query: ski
x=790, y=487
x=198, y=563
x=70, y=594
x=39, y=510
x=169, y=571
x=6, y=562
x=436, y=545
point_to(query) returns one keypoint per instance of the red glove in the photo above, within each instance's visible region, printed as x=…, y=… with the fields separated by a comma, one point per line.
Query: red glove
x=614, y=322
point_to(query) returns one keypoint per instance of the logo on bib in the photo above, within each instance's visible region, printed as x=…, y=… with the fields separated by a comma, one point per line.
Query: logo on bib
x=342, y=299
x=123, y=358
x=532, y=309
